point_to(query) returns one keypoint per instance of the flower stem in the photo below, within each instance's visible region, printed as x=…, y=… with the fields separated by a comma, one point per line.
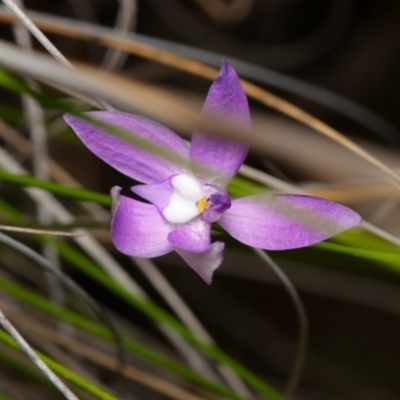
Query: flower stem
x=298, y=363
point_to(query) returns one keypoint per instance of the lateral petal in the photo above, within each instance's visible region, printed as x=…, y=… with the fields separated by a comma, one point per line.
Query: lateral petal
x=281, y=222
x=225, y=98
x=138, y=229
x=131, y=160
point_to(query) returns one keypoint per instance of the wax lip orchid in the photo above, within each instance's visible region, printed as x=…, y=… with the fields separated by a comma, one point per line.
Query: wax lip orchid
x=184, y=199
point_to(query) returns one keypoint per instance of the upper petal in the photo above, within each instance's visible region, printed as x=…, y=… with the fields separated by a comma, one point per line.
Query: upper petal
x=280, y=222
x=206, y=262
x=138, y=229
x=127, y=158
x=225, y=98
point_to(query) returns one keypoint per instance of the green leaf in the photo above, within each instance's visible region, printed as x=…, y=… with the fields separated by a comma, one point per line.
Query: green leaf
x=63, y=372
x=389, y=260
x=74, y=193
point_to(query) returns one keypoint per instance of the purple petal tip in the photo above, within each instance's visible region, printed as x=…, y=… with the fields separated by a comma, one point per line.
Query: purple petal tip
x=204, y=263
x=282, y=222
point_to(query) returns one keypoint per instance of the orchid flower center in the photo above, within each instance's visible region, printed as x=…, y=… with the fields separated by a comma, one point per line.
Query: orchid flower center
x=215, y=204
x=190, y=199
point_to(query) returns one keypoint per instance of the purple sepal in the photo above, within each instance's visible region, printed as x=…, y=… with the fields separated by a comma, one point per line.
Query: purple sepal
x=281, y=222
x=138, y=229
x=225, y=99
x=133, y=161
x=206, y=262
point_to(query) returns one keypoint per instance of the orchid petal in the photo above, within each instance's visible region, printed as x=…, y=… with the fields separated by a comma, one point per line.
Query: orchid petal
x=280, y=222
x=138, y=229
x=135, y=162
x=225, y=98
x=194, y=236
x=158, y=194
x=206, y=262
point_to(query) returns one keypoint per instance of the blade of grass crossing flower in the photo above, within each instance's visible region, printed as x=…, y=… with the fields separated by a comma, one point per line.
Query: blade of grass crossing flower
x=63, y=372
x=15, y=84
x=183, y=123
x=266, y=98
x=156, y=48
x=241, y=187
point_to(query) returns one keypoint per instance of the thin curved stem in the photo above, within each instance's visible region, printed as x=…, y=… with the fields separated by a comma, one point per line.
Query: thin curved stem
x=301, y=351
x=21, y=342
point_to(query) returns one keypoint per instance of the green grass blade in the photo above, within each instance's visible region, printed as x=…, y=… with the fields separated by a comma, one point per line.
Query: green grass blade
x=65, y=373
x=74, y=193
x=390, y=260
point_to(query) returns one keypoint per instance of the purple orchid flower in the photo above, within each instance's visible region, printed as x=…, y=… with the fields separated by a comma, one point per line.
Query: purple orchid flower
x=184, y=200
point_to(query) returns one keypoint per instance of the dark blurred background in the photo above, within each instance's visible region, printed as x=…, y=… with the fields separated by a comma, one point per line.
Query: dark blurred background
x=350, y=47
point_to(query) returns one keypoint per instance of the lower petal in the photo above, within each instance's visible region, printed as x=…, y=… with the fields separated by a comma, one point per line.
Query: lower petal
x=206, y=262
x=280, y=222
x=194, y=236
x=138, y=229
